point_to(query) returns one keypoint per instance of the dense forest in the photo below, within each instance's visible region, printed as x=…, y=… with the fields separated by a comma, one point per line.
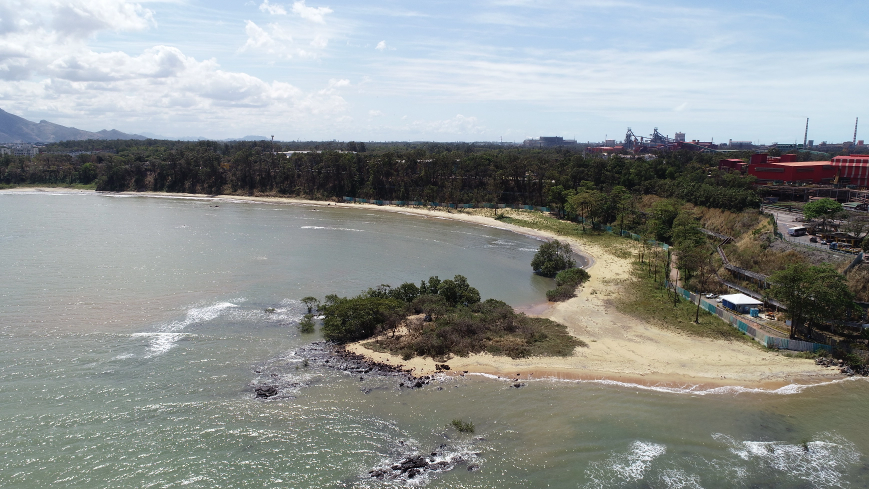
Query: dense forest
x=454, y=173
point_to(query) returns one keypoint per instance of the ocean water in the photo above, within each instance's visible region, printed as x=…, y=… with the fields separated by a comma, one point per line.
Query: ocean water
x=133, y=329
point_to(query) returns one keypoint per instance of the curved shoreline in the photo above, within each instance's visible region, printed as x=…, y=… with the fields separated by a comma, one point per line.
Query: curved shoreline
x=622, y=350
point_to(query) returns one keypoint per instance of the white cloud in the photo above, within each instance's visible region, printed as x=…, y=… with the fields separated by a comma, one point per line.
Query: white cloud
x=381, y=46
x=56, y=74
x=314, y=14
x=375, y=113
x=257, y=37
x=82, y=18
x=272, y=8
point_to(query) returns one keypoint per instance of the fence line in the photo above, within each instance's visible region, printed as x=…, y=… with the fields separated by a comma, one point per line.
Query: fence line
x=751, y=328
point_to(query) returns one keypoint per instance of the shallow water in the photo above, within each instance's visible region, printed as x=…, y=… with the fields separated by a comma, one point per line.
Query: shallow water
x=132, y=330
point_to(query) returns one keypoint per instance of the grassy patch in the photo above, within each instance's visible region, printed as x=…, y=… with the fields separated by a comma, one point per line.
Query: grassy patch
x=616, y=245
x=491, y=326
x=646, y=300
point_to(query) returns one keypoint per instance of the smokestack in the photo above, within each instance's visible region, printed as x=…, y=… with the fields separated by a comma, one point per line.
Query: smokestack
x=806, y=135
x=855, y=131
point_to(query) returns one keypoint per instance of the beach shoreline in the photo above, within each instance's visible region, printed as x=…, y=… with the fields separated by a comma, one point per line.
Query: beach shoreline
x=621, y=349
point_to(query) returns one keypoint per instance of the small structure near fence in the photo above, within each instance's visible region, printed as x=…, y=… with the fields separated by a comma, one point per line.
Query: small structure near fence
x=751, y=328
x=740, y=303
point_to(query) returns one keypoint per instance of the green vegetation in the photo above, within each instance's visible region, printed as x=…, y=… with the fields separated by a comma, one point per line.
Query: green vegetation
x=310, y=303
x=813, y=295
x=566, y=283
x=490, y=326
x=436, y=172
x=644, y=298
x=552, y=257
x=306, y=325
x=462, y=426
x=440, y=318
x=823, y=208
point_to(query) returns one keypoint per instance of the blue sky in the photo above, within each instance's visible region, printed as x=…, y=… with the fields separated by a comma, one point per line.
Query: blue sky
x=440, y=70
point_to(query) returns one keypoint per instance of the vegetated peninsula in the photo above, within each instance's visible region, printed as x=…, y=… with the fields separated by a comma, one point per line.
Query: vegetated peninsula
x=441, y=319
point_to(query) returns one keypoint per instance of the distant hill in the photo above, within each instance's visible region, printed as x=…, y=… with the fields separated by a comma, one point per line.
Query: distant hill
x=14, y=129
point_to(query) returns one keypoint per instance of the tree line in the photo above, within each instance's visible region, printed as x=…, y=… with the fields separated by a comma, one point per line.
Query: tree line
x=455, y=173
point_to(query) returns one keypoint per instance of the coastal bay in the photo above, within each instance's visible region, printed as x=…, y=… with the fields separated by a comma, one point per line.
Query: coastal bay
x=135, y=331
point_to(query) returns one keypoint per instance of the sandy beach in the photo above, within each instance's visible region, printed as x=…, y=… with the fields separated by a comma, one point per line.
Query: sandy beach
x=620, y=348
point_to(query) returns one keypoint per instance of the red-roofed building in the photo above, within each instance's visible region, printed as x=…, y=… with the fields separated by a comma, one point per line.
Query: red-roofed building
x=850, y=170
x=731, y=164
x=793, y=171
x=853, y=170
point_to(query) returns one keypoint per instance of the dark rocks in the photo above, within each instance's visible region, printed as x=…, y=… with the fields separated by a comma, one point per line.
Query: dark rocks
x=413, y=466
x=441, y=366
x=266, y=391
x=337, y=357
x=844, y=368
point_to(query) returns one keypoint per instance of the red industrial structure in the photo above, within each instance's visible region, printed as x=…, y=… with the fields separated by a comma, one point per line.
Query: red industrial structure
x=844, y=170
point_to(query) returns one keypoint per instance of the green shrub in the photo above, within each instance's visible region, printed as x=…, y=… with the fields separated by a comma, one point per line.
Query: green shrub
x=561, y=293
x=551, y=258
x=572, y=277
x=462, y=427
x=306, y=325
x=358, y=318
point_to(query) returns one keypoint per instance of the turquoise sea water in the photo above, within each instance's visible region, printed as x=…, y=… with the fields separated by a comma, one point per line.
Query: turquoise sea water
x=133, y=330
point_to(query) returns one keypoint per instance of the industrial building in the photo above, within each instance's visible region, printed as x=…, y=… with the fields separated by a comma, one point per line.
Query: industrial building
x=548, y=142
x=841, y=170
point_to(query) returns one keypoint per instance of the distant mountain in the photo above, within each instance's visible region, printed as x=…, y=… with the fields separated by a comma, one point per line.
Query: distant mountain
x=14, y=129
x=248, y=138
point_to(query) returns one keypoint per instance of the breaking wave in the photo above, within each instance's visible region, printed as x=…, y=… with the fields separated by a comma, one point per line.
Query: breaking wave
x=167, y=335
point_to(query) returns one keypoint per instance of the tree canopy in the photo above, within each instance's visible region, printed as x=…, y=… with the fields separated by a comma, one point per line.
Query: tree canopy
x=812, y=294
x=552, y=257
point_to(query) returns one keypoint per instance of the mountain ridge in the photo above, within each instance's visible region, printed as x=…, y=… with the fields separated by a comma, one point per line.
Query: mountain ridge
x=15, y=129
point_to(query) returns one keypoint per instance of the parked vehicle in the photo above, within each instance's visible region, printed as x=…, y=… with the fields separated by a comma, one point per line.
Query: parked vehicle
x=813, y=239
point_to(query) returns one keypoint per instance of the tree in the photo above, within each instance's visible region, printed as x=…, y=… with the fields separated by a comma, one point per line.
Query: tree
x=866, y=244
x=552, y=257
x=697, y=262
x=357, y=318
x=458, y=292
x=661, y=217
x=812, y=294
x=310, y=303
x=823, y=208
x=686, y=231
x=558, y=198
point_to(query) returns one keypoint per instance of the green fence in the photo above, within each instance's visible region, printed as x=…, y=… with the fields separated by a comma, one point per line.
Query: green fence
x=749, y=327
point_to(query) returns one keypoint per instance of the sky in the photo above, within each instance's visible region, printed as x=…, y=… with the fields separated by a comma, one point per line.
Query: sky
x=398, y=70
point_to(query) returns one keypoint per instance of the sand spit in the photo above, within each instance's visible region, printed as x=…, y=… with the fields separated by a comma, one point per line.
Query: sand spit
x=622, y=349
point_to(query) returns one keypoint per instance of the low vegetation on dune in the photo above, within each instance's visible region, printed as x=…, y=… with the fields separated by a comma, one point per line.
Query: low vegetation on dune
x=439, y=319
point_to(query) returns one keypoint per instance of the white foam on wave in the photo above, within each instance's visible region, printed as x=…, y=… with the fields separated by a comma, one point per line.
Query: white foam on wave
x=696, y=390
x=625, y=467
x=823, y=463
x=330, y=228
x=167, y=335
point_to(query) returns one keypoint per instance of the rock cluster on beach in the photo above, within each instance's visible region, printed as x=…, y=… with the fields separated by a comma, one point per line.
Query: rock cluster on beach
x=845, y=369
